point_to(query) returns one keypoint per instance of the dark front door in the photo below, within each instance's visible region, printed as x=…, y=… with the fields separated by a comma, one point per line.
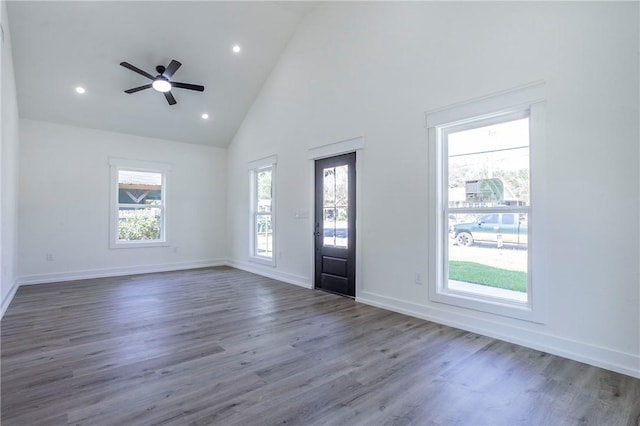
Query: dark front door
x=335, y=220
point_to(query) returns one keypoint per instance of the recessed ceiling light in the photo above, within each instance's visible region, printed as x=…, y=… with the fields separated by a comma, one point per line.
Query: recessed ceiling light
x=236, y=49
x=205, y=116
x=80, y=89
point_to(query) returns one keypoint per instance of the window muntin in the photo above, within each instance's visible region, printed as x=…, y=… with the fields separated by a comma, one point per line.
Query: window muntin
x=485, y=188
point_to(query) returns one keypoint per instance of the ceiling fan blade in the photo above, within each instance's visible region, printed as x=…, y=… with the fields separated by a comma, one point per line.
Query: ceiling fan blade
x=187, y=86
x=171, y=69
x=136, y=69
x=170, y=98
x=137, y=89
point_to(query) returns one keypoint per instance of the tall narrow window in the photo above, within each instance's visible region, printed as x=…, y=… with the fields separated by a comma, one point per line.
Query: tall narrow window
x=482, y=203
x=262, y=207
x=139, y=205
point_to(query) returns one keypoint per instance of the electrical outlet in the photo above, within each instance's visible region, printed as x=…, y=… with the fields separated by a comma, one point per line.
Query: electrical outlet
x=419, y=278
x=50, y=257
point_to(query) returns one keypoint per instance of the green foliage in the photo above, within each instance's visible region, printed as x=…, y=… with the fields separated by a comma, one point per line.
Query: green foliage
x=477, y=273
x=138, y=225
x=264, y=185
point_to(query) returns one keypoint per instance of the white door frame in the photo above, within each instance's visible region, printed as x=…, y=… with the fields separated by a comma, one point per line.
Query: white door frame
x=331, y=150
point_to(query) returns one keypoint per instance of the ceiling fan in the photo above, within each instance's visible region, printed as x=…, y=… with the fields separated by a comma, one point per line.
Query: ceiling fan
x=162, y=82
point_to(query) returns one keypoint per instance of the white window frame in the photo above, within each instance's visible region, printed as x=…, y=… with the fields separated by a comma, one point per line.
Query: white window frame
x=268, y=163
x=117, y=164
x=504, y=106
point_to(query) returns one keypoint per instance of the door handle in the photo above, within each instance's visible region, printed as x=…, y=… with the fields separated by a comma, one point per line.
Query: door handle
x=316, y=234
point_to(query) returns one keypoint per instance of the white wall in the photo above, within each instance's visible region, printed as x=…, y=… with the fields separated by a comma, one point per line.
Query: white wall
x=373, y=69
x=8, y=170
x=64, y=203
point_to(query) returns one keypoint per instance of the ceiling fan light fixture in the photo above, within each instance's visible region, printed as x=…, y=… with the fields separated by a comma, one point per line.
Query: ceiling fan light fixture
x=161, y=85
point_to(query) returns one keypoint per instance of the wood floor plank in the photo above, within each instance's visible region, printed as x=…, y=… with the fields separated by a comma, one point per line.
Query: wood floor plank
x=226, y=347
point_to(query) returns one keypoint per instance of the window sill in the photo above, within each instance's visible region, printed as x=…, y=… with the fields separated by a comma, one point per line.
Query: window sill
x=138, y=244
x=263, y=260
x=495, y=305
x=512, y=297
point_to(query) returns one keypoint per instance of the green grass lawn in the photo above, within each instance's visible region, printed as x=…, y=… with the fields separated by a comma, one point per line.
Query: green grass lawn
x=476, y=273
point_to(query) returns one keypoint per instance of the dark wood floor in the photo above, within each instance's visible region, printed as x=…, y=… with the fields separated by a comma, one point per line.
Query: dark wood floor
x=225, y=347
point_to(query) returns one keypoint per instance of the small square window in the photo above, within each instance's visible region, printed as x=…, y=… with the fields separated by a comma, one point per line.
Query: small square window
x=138, y=206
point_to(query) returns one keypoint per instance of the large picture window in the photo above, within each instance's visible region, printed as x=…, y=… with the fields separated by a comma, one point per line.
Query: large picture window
x=486, y=184
x=262, y=210
x=138, y=204
x=482, y=204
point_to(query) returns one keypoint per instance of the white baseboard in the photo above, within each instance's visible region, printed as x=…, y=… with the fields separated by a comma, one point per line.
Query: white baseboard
x=7, y=300
x=270, y=272
x=609, y=359
x=115, y=272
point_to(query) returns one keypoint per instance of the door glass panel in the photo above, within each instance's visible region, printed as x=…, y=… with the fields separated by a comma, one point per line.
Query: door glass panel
x=334, y=203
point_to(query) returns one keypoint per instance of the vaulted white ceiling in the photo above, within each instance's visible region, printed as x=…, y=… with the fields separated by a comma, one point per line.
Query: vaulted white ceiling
x=58, y=46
